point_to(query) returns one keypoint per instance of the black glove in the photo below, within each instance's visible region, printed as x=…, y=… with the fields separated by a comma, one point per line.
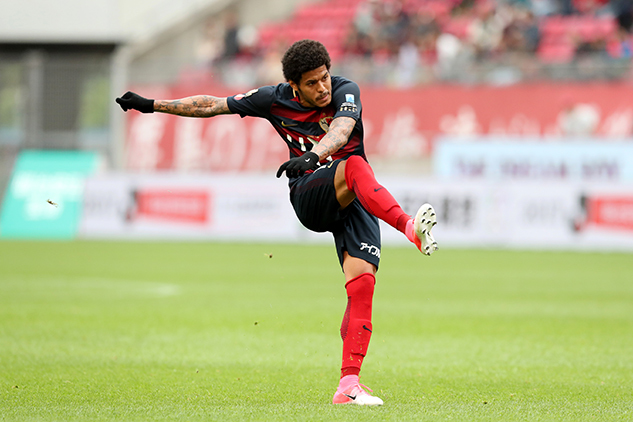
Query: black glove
x=133, y=101
x=297, y=166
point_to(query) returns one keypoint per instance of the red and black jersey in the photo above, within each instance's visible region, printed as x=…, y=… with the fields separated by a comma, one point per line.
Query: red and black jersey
x=302, y=127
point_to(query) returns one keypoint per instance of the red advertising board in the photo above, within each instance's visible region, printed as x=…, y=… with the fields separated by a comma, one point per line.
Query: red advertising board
x=189, y=206
x=398, y=123
x=614, y=212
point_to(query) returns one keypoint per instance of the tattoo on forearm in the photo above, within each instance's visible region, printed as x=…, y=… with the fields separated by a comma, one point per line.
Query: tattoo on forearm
x=196, y=106
x=338, y=135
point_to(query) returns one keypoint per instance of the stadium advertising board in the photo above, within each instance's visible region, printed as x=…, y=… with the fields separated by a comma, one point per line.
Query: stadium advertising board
x=520, y=214
x=499, y=159
x=399, y=124
x=523, y=214
x=45, y=195
x=187, y=207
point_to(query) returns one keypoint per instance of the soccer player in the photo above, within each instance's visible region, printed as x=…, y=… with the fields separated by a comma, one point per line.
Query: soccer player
x=332, y=186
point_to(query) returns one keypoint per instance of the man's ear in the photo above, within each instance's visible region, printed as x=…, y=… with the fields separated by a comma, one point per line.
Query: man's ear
x=295, y=88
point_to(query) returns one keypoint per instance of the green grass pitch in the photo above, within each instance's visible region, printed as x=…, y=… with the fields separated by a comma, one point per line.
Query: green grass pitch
x=135, y=331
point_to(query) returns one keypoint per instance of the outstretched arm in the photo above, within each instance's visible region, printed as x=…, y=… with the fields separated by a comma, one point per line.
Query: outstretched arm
x=195, y=106
x=338, y=135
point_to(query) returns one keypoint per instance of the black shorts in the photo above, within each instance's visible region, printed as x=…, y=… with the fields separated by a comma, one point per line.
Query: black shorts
x=355, y=230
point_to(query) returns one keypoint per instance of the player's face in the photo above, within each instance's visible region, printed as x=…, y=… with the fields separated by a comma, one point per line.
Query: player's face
x=315, y=88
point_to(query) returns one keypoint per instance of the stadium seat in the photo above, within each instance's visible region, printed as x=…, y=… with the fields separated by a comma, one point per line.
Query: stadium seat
x=554, y=28
x=562, y=52
x=458, y=27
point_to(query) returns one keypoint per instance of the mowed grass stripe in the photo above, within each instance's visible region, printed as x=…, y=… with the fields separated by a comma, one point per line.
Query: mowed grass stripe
x=222, y=331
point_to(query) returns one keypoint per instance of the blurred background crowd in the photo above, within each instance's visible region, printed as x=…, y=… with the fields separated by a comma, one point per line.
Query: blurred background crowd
x=403, y=43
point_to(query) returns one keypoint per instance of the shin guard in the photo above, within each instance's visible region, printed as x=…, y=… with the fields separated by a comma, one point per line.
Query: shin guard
x=356, y=328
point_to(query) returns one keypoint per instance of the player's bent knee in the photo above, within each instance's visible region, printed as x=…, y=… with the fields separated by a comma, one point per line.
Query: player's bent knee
x=354, y=267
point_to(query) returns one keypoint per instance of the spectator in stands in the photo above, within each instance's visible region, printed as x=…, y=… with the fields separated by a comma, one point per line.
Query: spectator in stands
x=362, y=36
x=566, y=7
x=529, y=27
x=452, y=55
x=621, y=47
x=522, y=33
x=399, y=39
x=425, y=30
x=365, y=20
x=623, y=11
x=486, y=30
x=231, y=44
x=395, y=26
x=358, y=44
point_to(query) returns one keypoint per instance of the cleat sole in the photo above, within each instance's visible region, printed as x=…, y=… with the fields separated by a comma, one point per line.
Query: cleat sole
x=423, y=222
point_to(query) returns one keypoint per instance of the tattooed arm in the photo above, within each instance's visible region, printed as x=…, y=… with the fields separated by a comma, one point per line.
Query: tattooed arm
x=196, y=106
x=338, y=135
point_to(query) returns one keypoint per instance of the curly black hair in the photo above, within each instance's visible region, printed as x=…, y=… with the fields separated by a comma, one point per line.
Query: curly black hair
x=304, y=56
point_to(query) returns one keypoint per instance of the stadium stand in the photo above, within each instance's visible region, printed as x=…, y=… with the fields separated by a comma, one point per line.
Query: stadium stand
x=479, y=33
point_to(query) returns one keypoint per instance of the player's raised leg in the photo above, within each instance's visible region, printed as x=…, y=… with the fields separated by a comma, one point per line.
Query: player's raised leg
x=355, y=179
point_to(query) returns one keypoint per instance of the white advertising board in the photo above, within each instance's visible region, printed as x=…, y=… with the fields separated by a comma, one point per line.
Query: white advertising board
x=551, y=215
x=501, y=158
x=517, y=214
x=187, y=207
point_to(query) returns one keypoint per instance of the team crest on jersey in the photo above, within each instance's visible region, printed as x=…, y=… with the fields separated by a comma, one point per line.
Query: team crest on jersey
x=324, y=122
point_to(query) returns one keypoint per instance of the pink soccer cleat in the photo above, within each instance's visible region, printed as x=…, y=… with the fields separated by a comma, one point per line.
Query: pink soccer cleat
x=350, y=391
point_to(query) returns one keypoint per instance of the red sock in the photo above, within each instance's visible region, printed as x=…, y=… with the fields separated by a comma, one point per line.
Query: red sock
x=356, y=327
x=374, y=197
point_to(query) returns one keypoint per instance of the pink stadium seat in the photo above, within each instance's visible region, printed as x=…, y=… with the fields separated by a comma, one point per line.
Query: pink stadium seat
x=440, y=8
x=606, y=27
x=585, y=29
x=327, y=21
x=556, y=52
x=458, y=27
x=558, y=29
x=554, y=28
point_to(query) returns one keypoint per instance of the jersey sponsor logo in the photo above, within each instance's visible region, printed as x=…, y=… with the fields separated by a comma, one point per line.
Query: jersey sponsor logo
x=284, y=124
x=371, y=249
